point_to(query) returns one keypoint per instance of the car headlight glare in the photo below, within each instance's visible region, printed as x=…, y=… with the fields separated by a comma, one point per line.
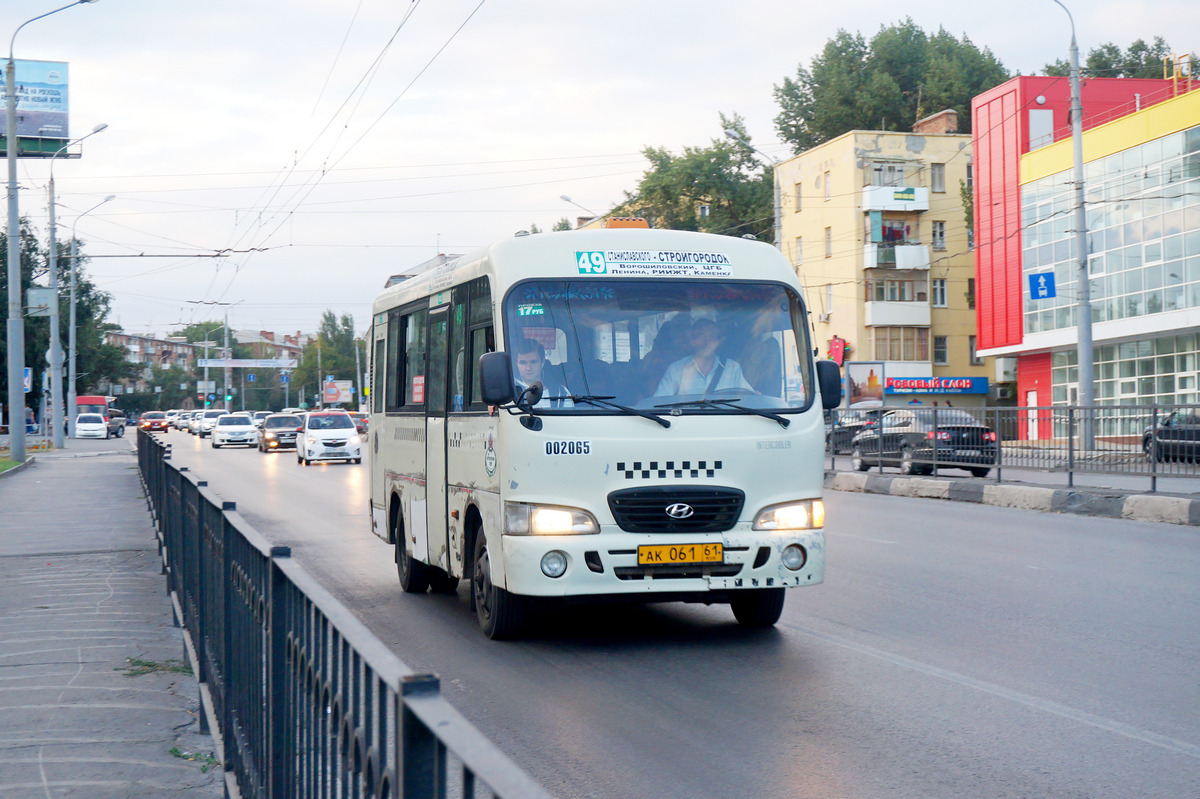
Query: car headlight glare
x=355, y=440
x=522, y=518
x=792, y=516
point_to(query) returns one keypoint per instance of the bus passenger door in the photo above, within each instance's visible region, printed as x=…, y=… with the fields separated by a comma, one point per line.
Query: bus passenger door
x=435, y=440
x=378, y=426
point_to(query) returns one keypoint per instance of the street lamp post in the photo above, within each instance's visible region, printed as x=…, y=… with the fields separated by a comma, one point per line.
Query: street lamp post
x=1083, y=322
x=56, y=355
x=71, y=324
x=16, y=323
x=778, y=224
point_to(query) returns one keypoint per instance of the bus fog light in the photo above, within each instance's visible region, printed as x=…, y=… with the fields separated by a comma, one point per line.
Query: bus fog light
x=554, y=563
x=793, y=557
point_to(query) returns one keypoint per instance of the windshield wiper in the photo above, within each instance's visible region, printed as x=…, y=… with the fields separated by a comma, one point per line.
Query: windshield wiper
x=729, y=403
x=595, y=399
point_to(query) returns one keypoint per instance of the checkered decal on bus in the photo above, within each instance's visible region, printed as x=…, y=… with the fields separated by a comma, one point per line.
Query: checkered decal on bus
x=680, y=469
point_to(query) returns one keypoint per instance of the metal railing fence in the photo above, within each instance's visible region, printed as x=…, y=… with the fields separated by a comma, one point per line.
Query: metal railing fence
x=1150, y=441
x=309, y=703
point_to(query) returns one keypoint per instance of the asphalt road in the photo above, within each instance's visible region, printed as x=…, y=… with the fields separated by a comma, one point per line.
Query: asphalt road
x=955, y=650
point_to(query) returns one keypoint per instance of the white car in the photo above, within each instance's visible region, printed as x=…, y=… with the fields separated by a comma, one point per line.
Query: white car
x=328, y=436
x=91, y=425
x=208, y=420
x=234, y=428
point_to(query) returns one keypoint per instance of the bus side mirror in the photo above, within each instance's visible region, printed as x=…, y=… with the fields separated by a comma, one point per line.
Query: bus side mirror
x=829, y=380
x=495, y=378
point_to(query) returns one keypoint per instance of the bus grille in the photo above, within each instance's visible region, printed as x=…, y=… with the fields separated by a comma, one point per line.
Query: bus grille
x=645, y=510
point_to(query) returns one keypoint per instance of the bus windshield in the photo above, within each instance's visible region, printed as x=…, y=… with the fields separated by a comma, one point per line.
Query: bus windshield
x=659, y=345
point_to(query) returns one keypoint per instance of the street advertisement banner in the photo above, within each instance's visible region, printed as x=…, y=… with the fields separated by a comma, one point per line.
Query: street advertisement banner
x=936, y=385
x=339, y=391
x=41, y=99
x=864, y=383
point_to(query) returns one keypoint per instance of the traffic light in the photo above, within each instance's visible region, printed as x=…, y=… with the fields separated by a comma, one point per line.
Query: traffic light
x=228, y=397
x=207, y=403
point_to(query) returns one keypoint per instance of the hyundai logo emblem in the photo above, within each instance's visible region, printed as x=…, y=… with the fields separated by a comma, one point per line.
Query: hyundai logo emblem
x=680, y=510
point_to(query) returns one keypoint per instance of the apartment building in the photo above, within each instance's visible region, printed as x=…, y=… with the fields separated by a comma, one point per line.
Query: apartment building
x=876, y=226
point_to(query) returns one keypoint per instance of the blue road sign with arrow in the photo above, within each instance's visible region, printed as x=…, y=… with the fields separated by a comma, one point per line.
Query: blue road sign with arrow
x=1041, y=286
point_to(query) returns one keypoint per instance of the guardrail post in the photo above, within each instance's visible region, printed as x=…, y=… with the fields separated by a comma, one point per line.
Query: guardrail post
x=1154, y=450
x=422, y=764
x=1071, y=447
x=278, y=759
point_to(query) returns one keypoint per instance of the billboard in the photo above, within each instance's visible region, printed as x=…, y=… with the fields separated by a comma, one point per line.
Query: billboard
x=336, y=391
x=864, y=383
x=42, y=96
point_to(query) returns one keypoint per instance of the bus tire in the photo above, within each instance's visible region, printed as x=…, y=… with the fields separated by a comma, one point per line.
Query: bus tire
x=757, y=607
x=501, y=614
x=414, y=575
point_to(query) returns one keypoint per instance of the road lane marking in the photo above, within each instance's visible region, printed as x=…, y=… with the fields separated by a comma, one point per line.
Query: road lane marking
x=1036, y=703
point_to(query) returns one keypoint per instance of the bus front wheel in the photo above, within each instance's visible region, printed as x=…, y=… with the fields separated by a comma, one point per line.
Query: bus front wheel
x=757, y=607
x=414, y=576
x=500, y=614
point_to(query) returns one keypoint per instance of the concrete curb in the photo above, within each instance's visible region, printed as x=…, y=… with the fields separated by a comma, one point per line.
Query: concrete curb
x=30, y=459
x=1110, y=504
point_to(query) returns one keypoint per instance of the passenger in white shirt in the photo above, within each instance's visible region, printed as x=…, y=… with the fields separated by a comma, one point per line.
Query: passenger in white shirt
x=531, y=360
x=702, y=372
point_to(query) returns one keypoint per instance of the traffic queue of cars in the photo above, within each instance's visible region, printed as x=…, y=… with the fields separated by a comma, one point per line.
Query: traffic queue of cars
x=321, y=435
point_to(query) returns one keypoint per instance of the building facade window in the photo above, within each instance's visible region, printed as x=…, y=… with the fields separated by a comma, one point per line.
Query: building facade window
x=799, y=254
x=702, y=211
x=1143, y=241
x=798, y=195
x=828, y=187
x=970, y=176
x=941, y=351
x=828, y=298
x=901, y=343
x=971, y=293
x=888, y=175
x=975, y=359
x=938, y=289
x=938, y=235
x=937, y=177
x=896, y=291
x=828, y=242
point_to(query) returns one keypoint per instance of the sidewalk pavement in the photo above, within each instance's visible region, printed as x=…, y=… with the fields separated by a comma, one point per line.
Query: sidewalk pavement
x=96, y=698
x=1115, y=503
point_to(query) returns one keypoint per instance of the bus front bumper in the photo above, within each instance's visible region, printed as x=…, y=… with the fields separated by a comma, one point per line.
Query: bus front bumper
x=608, y=563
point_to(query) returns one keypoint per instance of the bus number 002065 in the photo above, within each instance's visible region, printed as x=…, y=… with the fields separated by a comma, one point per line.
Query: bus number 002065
x=568, y=447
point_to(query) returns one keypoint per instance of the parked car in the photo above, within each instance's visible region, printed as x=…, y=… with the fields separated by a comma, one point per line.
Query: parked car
x=844, y=425
x=153, y=420
x=279, y=431
x=91, y=425
x=234, y=428
x=328, y=436
x=360, y=421
x=910, y=440
x=1175, y=437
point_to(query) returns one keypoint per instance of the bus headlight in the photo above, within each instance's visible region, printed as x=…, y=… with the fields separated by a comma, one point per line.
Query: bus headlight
x=792, y=516
x=554, y=563
x=522, y=518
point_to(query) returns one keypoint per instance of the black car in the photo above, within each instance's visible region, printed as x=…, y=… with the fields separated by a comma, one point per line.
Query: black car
x=842, y=426
x=1176, y=436
x=278, y=431
x=911, y=440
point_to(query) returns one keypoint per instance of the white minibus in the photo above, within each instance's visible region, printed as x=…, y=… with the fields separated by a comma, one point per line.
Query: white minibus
x=598, y=414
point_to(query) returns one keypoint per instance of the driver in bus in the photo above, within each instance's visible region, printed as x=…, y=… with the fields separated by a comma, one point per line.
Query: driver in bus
x=703, y=371
x=531, y=361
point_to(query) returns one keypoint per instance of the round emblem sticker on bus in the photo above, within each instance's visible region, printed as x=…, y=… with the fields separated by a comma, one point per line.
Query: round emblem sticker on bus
x=489, y=455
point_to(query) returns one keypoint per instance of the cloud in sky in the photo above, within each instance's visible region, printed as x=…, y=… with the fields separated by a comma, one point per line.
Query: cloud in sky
x=294, y=132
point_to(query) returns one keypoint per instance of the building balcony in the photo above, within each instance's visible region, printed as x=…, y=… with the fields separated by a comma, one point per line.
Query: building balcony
x=896, y=314
x=895, y=198
x=896, y=256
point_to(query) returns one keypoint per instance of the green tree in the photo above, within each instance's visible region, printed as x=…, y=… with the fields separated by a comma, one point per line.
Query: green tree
x=333, y=349
x=902, y=75
x=563, y=224
x=721, y=188
x=1140, y=60
x=96, y=362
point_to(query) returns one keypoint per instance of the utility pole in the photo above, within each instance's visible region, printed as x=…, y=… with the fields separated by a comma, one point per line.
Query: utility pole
x=228, y=354
x=1083, y=322
x=320, y=376
x=358, y=371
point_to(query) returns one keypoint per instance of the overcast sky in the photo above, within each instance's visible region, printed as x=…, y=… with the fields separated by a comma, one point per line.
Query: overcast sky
x=329, y=144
